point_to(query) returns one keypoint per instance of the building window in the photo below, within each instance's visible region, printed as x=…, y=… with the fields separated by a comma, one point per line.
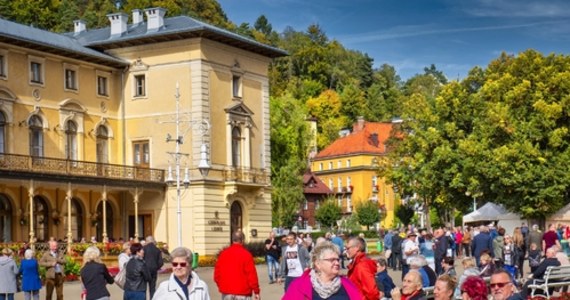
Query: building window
x=102, y=144
x=76, y=220
x=141, y=154
x=236, y=147
x=3, y=63
x=71, y=140
x=102, y=86
x=236, y=86
x=2, y=133
x=348, y=163
x=320, y=166
x=40, y=222
x=70, y=78
x=305, y=205
x=339, y=199
x=331, y=186
x=140, y=86
x=339, y=182
x=36, y=136
x=349, y=183
x=339, y=164
x=305, y=224
x=348, y=203
x=36, y=72
x=330, y=165
x=317, y=204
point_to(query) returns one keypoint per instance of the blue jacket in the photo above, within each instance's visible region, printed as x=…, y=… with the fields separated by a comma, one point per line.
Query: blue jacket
x=30, y=275
x=388, y=241
x=384, y=280
x=482, y=242
x=338, y=242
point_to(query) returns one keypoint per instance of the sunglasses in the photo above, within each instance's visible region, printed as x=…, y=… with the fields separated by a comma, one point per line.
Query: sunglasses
x=498, y=285
x=182, y=264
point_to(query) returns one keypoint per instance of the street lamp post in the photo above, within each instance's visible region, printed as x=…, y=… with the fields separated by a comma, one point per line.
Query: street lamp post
x=475, y=195
x=203, y=165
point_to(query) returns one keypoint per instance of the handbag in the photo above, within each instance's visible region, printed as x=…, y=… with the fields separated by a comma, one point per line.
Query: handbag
x=121, y=277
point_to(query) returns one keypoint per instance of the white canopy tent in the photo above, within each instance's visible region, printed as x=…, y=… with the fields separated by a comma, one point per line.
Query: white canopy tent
x=491, y=212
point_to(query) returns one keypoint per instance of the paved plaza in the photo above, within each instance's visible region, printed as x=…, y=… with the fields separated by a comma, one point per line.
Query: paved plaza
x=72, y=290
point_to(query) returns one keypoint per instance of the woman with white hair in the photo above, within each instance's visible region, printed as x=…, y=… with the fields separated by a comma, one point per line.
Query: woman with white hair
x=9, y=270
x=183, y=282
x=31, y=282
x=323, y=280
x=95, y=276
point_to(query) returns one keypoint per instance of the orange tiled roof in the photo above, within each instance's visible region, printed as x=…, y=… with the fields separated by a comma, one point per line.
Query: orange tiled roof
x=360, y=141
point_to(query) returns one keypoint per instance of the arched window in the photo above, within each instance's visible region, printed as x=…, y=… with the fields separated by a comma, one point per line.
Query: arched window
x=2, y=133
x=36, y=136
x=71, y=140
x=236, y=147
x=76, y=220
x=41, y=214
x=102, y=144
x=236, y=218
x=5, y=220
x=108, y=220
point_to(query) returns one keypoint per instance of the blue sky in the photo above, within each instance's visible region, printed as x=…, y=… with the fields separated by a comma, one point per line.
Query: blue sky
x=455, y=35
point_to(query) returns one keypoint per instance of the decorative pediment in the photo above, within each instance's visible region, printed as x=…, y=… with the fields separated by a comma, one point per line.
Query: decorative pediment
x=239, y=109
x=139, y=65
x=72, y=105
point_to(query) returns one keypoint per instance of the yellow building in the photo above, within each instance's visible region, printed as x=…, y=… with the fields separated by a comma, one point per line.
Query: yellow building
x=349, y=168
x=88, y=128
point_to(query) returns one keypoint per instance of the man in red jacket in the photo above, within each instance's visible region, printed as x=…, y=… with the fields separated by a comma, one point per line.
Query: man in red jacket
x=235, y=272
x=362, y=270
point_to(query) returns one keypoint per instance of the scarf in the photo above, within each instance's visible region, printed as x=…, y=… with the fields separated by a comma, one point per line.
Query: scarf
x=325, y=290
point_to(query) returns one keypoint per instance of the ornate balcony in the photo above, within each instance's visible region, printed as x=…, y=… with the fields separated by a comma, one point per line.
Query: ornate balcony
x=33, y=167
x=247, y=176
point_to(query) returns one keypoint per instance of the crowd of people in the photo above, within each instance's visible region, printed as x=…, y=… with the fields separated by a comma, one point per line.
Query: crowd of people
x=492, y=264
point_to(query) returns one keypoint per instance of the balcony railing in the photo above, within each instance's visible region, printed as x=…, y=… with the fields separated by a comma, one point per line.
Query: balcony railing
x=247, y=175
x=66, y=167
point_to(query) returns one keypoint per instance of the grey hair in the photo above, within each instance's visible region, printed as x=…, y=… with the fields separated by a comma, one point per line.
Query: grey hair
x=322, y=248
x=92, y=253
x=150, y=239
x=29, y=254
x=415, y=262
x=182, y=252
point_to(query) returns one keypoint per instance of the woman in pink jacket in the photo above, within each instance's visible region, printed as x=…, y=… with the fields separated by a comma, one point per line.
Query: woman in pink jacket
x=323, y=280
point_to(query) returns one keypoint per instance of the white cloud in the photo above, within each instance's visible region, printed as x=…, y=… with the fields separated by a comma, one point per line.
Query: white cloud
x=515, y=8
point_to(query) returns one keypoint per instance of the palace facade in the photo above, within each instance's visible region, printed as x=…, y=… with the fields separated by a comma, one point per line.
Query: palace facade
x=95, y=123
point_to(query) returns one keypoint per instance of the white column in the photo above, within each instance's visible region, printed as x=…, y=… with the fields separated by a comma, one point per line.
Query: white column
x=31, y=222
x=68, y=198
x=104, y=199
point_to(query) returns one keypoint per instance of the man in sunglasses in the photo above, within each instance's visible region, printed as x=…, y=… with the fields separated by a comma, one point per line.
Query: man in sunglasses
x=502, y=287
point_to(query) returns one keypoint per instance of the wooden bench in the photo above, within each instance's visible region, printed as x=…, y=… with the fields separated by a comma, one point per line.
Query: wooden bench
x=553, y=277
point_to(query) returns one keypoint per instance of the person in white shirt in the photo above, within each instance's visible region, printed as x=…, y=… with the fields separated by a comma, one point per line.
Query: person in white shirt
x=409, y=251
x=294, y=260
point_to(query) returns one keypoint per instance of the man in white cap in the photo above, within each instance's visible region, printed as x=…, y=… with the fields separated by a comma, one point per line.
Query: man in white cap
x=409, y=250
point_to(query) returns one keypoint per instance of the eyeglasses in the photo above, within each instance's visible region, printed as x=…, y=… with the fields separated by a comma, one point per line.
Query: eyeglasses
x=181, y=264
x=332, y=259
x=498, y=284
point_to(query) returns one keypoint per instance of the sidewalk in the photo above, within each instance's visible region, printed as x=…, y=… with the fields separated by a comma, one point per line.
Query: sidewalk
x=72, y=290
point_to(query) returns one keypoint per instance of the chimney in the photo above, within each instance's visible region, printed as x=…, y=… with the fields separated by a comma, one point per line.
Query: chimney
x=137, y=17
x=80, y=26
x=154, y=18
x=359, y=126
x=118, y=24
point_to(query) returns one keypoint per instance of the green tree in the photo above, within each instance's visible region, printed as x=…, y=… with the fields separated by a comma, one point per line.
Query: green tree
x=290, y=138
x=404, y=213
x=328, y=213
x=367, y=213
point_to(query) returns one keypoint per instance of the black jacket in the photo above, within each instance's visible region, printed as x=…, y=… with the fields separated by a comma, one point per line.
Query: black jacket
x=152, y=257
x=94, y=277
x=137, y=275
x=541, y=269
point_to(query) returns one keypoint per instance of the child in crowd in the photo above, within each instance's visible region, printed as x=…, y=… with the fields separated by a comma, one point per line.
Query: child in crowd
x=533, y=257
